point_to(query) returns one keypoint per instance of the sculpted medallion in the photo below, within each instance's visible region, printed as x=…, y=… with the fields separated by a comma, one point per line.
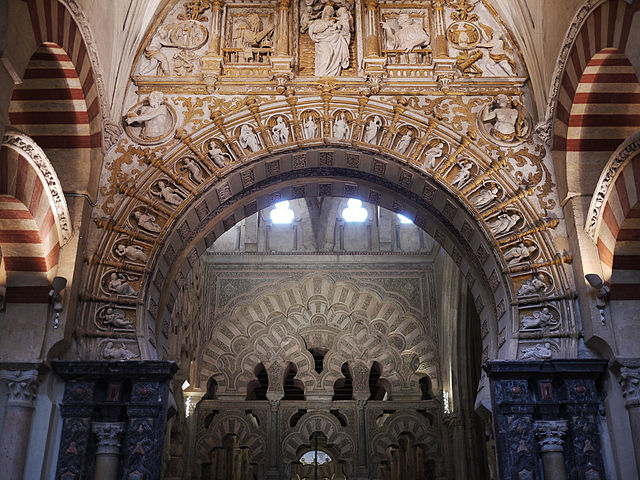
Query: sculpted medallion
x=505, y=121
x=150, y=122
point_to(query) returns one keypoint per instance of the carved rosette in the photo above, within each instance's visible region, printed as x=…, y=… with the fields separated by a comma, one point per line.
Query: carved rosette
x=550, y=435
x=630, y=382
x=109, y=435
x=22, y=385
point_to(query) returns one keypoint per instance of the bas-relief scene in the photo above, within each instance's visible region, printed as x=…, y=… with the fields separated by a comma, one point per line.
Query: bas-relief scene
x=336, y=239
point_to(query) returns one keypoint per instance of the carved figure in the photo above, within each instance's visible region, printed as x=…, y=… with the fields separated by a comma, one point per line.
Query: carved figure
x=504, y=223
x=341, y=128
x=114, y=317
x=538, y=319
x=280, y=132
x=310, y=128
x=118, y=285
x=497, y=51
x=404, y=142
x=194, y=169
x=157, y=62
x=248, y=139
x=433, y=153
x=155, y=118
x=132, y=252
x=249, y=35
x=533, y=286
x=110, y=352
x=485, y=197
x=404, y=34
x=147, y=221
x=509, y=122
x=518, y=253
x=463, y=174
x=167, y=193
x=371, y=132
x=217, y=155
x=539, y=352
x=332, y=41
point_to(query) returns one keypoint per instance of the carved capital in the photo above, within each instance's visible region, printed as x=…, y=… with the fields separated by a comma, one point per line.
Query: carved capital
x=275, y=405
x=23, y=386
x=550, y=435
x=630, y=382
x=361, y=404
x=109, y=435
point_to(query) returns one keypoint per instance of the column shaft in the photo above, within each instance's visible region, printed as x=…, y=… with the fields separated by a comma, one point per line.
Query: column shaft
x=630, y=382
x=550, y=440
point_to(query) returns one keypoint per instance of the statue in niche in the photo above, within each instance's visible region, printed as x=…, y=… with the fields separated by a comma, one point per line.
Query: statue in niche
x=310, y=128
x=134, y=253
x=167, y=193
x=341, y=128
x=463, y=174
x=404, y=33
x=248, y=139
x=534, y=286
x=505, y=120
x=433, y=153
x=332, y=36
x=116, y=318
x=371, y=131
x=118, y=285
x=121, y=353
x=504, y=223
x=519, y=253
x=217, y=155
x=248, y=35
x=539, y=352
x=147, y=221
x=280, y=132
x=193, y=168
x=156, y=62
x=485, y=197
x=155, y=119
x=404, y=142
x=538, y=319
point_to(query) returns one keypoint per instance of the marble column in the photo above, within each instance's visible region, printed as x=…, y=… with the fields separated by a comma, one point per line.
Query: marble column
x=630, y=382
x=274, y=472
x=109, y=435
x=363, y=468
x=14, y=437
x=550, y=440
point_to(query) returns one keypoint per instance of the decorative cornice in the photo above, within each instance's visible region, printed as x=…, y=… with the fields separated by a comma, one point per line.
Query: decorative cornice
x=618, y=161
x=28, y=148
x=23, y=386
x=544, y=129
x=550, y=435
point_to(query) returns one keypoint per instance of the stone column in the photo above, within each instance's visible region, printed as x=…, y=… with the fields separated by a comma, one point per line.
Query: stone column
x=14, y=437
x=630, y=382
x=282, y=39
x=274, y=471
x=363, y=467
x=371, y=36
x=550, y=440
x=211, y=61
x=107, y=449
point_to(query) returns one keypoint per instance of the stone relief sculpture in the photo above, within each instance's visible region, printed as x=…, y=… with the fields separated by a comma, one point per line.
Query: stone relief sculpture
x=280, y=132
x=518, y=253
x=504, y=223
x=116, y=318
x=121, y=353
x=463, y=175
x=404, y=33
x=216, y=154
x=248, y=139
x=404, y=142
x=432, y=154
x=538, y=352
x=157, y=63
x=147, y=221
x=167, y=193
x=332, y=36
x=497, y=51
x=118, y=284
x=251, y=33
x=150, y=122
x=193, y=168
x=538, y=319
x=485, y=196
x=505, y=121
x=536, y=285
x=372, y=129
x=341, y=128
x=135, y=253
x=310, y=128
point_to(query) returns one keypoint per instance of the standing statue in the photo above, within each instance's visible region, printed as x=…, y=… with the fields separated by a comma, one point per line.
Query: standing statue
x=132, y=252
x=310, y=128
x=433, y=153
x=280, y=132
x=404, y=142
x=341, y=128
x=248, y=139
x=167, y=193
x=371, y=132
x=118, y=285
x=404, y=34
x=504, y=223
x=508, y=120
x=147, y=221
x=485, y=197
x=217, y=155
x=518, y=253
x=463, y=175
x=332, y=37
x=155, y=118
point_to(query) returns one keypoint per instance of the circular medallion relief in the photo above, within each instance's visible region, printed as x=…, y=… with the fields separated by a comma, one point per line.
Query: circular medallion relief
x=151, y=121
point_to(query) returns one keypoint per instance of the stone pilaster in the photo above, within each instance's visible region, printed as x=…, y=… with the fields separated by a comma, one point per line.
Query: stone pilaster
x=363, y=468
x=14, y=437
x=629, y=377
x=109, y=435
x=274, y=460
x=550, y=435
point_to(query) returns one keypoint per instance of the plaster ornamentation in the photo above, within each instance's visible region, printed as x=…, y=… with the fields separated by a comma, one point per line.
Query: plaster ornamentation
x=505, y=121
x=539, y=319
x=109, y=435
x=437, y=150
x=152, y=121
x=463, y=175
x=536, y=285
x=485, y=196
x=550, y=435
x=404, y=142
x=30, y=150
x=498, y=52
x=463, y=35
x=22, y=386
x=248, y=138
x=341, y=129
x=331, y=33
x=371, y=131
x=630, y=382
x=405, y=33
x=280, y=131
x=115, y=318
x=503, y=223
x=520, y=252
x=216, y=152
x=541, y=351
x=147, y=221
x=118, y=284
x=167, y=193
x=195, y=171
x=110, y=351
x=132, y=252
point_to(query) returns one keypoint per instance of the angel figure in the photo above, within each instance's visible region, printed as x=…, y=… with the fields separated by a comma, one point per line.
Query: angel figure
x=433, y=153
x=404, y=142
x=371, y=132
x=114, y=317
x=498, y=51
x=121, y=353
x=504, y=223
x=534, y=286
x=132, y=252
x=485, y=197
x=539, y=352
x=518, y=253
x=118, y=285
x=147, y=221
x=194, y=169
x=217, y=155
x=463, y=175
x=167, y=193
x=538, y=319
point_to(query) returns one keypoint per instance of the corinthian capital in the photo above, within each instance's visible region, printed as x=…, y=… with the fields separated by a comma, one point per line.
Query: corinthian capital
x=550, y=435
x=23, y=386
x=108, y=434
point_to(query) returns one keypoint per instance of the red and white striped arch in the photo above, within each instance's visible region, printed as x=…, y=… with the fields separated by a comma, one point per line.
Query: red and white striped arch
x=57, y=104
x=34, y=220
